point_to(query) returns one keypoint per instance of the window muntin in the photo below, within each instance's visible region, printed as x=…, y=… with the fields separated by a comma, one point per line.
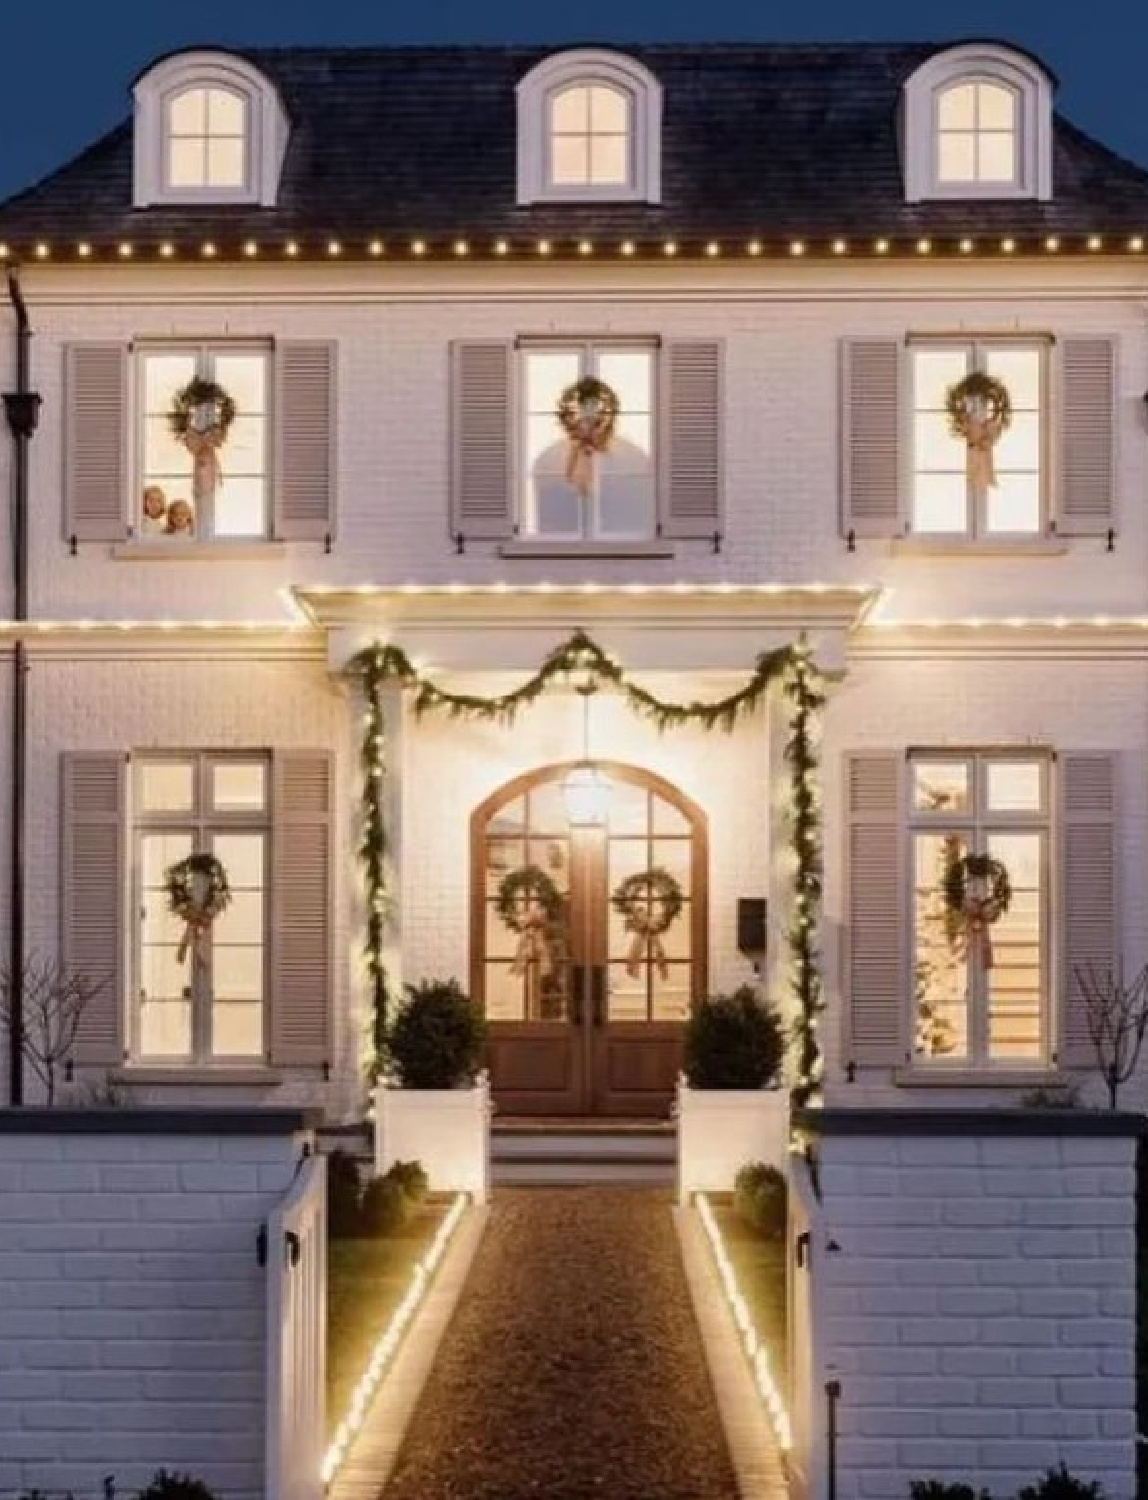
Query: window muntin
x=944, y=502
x=209, y=1007
x=206, y=143
x=168, y=511
x=977, y=134
x=964, y=1011
x=622, y=504
x=590, y=137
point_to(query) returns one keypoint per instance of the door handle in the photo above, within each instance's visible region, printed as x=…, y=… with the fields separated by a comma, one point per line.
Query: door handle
x=577, y=1012
x=599, y=988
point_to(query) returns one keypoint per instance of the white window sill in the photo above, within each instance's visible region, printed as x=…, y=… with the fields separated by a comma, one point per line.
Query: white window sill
x=922, y=1077
x=539, y=547
x=967, y=546
x=191, y=1073
x=221, y=551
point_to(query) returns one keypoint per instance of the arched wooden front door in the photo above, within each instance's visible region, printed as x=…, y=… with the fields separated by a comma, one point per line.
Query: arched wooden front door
x=585, y=1008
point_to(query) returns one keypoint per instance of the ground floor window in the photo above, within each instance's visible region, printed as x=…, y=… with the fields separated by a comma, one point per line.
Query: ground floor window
x=980, y=991
x=200, y=997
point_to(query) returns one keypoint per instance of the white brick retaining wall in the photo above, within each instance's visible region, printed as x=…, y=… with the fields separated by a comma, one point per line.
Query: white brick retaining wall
x=974, y=1289
x=132, y=1300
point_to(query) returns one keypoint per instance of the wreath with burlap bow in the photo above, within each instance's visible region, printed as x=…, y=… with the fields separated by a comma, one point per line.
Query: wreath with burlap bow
x=532, y=906
x=197, y=892
x=980, y=409
x=588, y=413
x=977, y=889
x=201, y=416
x=649, y=904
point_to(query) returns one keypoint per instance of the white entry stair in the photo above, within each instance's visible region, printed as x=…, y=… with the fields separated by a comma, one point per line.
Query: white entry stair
x=553, y=1152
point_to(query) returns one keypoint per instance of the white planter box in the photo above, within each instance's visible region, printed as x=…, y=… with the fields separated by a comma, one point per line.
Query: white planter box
x=447, y=1130
x=720, y=1130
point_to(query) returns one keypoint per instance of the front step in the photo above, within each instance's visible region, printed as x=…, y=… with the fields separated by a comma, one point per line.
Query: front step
x=569, y=1153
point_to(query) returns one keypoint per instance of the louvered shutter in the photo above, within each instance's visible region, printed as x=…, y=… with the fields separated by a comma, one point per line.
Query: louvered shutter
x=302, y=863
x=1089, y=894
x=690, y=492
x=875, y=968
x=871, y=437
x=92, y=896
x=1087, y=433
x=306, y=428
x=95, y=442
x=482, y=445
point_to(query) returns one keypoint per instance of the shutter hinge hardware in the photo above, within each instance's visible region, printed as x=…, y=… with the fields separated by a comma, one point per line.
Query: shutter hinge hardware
x=294, y=1247
x=326, y=1070
x=717, y=543
x=261, y=1245
x=1111, y=547
x=459, y=544
x=851, y=541
x=73, y=549
x=851, y=1072
x=801, y=1248
x=327, y=545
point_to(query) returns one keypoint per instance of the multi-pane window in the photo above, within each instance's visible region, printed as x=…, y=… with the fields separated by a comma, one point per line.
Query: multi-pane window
x=206, y=143
x=200, y=998
x=976, y=134
x=622, y=500
x=950, y=497
x=979, y=998
x=234, y=501
x=590, y=137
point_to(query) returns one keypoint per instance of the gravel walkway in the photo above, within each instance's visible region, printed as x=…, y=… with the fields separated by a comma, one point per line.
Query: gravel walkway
x=573, y=1368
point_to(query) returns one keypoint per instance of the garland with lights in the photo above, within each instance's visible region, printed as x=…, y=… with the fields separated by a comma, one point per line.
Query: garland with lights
x=380, y=666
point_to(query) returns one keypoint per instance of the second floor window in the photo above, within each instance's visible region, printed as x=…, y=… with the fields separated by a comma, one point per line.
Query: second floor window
x=951, y=497
x=619, y=502
x=976, y=134
x=219, y=495
x=590, y=137
x=206, y=145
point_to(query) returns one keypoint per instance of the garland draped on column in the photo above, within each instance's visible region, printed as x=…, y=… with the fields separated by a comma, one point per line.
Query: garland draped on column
x=792, y=666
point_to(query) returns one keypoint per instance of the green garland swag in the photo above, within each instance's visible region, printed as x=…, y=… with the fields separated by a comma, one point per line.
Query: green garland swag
x=381, y=666
x=530, y=884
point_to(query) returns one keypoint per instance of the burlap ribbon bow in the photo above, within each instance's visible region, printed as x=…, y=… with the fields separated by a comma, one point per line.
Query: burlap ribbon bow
x=589, y=436
x=981, y=436
x=206, y=472
x=646, y=947
x=194, y=930
x=980, y=912
x=533, y=943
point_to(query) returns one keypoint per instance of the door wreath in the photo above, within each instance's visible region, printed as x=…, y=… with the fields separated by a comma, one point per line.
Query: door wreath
x=977, y=889
x=532, y=906
x=649, y=904
x=198, y=891
x=980, y=409
x=588, y=413
x=201, y=416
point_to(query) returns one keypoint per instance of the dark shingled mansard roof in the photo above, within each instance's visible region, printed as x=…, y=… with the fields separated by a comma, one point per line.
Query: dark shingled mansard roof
x=771, y=141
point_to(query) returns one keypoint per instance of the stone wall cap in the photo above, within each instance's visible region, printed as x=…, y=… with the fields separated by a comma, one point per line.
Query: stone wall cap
x=136, y=1120
x=938, y=1122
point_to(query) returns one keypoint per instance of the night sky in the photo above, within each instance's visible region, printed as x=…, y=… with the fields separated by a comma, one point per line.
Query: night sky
x=65, y=70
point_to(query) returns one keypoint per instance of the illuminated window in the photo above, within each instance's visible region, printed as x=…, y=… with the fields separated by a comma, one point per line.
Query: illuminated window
x=590, y=134
x=207, y=142
x=977, y=134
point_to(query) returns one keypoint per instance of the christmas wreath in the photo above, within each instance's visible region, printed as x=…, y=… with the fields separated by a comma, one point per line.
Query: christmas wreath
x=200, y=417
x=531, y=905
x=980, y=409
x=197, y=891
x=649, y=904
x=978, y=890
x=588, y=413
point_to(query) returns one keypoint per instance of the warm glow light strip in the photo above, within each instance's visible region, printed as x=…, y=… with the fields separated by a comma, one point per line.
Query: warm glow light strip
x=1014, y=622
x=768, y=589
x=755, y=1351
x=387, y=1344
x=59, y=627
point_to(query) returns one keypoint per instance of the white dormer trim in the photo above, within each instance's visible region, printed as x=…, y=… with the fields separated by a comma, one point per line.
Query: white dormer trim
x=589, y=65
x=978, y=62
x=266, y=119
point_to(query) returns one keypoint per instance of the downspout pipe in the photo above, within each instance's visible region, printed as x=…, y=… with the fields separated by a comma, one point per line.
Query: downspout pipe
x=22, y=409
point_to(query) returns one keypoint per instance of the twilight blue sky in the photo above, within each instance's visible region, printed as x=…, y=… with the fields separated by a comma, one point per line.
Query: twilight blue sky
x=65, y=69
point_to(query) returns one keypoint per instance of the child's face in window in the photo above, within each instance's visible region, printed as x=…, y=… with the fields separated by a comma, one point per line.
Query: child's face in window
x=154, y=503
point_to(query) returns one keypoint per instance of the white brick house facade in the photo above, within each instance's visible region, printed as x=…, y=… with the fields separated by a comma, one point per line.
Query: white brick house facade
x=932, y=644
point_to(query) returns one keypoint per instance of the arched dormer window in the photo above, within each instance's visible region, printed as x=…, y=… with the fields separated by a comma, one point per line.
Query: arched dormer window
x=209, y=128
x=977, y=123
x=589, y=127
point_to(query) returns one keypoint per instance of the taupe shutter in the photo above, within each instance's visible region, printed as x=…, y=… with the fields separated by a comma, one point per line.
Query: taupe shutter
x=690, y=492
x=1089, y=895
x=95, y=442
x=482, y=443
x=1087, y=411
x=871, y=437
x=301, y=894
x=874, y=968
x=92, y=896
x=306, y=427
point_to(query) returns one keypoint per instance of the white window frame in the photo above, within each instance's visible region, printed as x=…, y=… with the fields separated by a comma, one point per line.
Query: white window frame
x=1016, y=71
x=204, y=351
x=240, y=190
x=267, y=129
x=978, y=822
x=201, y=822
x=976, y=502
x=589, y=66
x=586, y=347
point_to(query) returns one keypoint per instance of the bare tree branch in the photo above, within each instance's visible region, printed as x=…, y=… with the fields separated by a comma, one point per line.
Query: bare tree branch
x=53, y=1000
x=1116, y=1014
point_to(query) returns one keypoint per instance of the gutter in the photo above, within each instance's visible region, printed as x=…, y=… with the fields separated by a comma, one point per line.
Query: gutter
x=22, y=409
